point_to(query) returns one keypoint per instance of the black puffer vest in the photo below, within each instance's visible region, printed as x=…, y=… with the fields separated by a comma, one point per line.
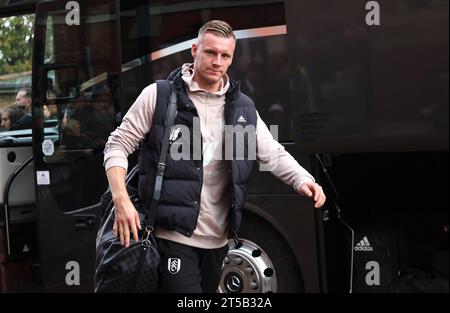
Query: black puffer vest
x=179, y=205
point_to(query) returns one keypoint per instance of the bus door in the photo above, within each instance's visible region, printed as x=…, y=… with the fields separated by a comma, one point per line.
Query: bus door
x=76, y=73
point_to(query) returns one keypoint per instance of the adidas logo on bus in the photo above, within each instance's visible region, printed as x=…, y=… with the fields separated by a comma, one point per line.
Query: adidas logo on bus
x=363, y=245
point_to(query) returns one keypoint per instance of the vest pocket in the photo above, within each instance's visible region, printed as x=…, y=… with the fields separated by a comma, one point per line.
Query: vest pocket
x=176, y=217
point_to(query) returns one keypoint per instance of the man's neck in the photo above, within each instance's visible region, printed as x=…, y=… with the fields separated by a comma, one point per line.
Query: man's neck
x=208, y=87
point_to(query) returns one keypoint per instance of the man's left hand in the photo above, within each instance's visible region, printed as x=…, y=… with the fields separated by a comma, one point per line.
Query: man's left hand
x=313, y=190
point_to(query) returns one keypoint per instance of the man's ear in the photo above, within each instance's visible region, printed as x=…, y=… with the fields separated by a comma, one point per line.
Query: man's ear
x=194, y=50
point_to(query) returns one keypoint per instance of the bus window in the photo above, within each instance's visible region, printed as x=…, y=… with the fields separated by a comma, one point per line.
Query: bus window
x=260, y=61
x=16, y=33
x=76, y=93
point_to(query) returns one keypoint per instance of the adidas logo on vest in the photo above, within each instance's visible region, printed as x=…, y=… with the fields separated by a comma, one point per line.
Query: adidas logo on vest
x=363, y=245
x=241, y=119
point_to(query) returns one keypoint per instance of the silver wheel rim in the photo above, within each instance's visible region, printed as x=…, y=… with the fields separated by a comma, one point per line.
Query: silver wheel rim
x=247, y=269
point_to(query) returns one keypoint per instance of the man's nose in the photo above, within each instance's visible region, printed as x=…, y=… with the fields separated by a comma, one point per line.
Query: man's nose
x=217, y=60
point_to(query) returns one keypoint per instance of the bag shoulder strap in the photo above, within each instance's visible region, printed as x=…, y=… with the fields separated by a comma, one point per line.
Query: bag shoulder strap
x=170, y=120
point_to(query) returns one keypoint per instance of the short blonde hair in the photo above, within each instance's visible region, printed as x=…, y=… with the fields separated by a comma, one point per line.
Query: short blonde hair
x=218, y=28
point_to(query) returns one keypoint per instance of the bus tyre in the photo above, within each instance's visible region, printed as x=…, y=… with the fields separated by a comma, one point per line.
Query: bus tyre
x=262, y=261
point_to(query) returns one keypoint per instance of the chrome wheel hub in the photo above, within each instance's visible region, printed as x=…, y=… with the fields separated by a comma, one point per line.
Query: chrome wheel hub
x=247, y=269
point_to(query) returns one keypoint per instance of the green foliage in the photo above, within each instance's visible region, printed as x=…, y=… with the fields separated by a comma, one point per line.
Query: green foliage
x=16, y=43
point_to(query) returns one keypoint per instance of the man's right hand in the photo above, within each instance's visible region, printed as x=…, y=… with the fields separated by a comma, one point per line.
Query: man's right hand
x=126, y=221
x=127, y=218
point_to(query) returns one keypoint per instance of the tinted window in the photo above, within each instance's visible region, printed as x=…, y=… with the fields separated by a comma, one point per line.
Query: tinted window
x=360, y=88
x=77, y=87
x=16, y=33
x=260, y=60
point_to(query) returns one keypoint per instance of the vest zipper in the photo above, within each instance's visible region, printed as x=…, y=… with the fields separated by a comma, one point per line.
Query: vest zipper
x=201, y=180
x=232, y=205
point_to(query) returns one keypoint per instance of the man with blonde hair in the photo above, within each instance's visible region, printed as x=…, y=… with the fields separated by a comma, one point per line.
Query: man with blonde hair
x=201, y=200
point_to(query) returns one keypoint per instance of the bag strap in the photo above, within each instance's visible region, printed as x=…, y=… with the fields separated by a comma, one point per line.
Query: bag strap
x=170, y=120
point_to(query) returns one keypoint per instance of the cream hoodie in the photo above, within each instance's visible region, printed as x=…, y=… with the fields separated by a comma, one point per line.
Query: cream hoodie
x=211, y=231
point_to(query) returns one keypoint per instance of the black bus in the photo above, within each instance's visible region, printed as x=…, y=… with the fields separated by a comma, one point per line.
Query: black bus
x=358, y=89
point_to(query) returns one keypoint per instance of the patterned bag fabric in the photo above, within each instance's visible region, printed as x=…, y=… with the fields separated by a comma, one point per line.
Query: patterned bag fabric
x=121, y=269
